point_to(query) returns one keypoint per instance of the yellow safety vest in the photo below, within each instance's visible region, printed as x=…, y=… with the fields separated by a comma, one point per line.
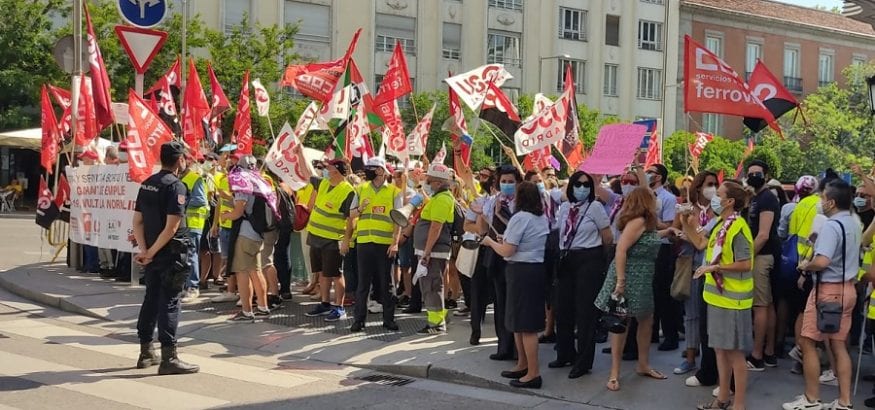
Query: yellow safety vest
x=374, y=223
x=225, y=205
x=303, y=195
x=195, y=217
x=326, y=220
x=801, y=221
x=737, y=292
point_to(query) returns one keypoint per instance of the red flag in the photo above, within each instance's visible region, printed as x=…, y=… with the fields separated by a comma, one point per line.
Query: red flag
x=63, y=193
x=459, y=127
x=393, y=134
x=61, y=96
x=46, y=210
x=220, y=102
x=146, y=134
x=499, y=110
x=99, y=78
x=195, y=110
x=86, y=129
x=51, y=137
x=173, y=78
x=712, y=86
x=771, y=92
x=702, y=139
x=318, y=80
x=570, y=145
x=396, y=81
x=537, y=159
x=654, y=150
x=242, y=134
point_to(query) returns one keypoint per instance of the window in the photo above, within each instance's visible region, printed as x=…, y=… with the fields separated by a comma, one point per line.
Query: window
x=506, y=4
x=827, y=69
x=452, y=41
x=611, y=71
x=754, y=53
x=395, y=28
x=858, y=59
x=503, y=48
x=653, y=1
x=715, y=45
x=578, y=74
x=791, y=69
x=572, y=24
x=313, y=20
x=612, y=30
x=649, y=83
x=712, y=124
x=649, y=35
x=235, y=10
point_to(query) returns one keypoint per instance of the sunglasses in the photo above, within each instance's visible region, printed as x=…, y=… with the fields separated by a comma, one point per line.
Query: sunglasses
x=319, y=168
x=628, y=182
x=578, y=184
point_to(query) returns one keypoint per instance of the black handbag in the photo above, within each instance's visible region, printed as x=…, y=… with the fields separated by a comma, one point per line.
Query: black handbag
x=616, y=319
x=829, y=314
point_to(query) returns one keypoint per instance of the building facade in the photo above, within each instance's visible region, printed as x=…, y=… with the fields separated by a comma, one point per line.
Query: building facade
x=805, y=47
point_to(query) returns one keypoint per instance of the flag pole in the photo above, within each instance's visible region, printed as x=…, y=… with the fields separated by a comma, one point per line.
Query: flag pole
x=270, y=126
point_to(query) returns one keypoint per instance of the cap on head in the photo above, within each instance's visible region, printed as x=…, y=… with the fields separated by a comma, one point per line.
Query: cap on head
x=171, y=152
x=247, y=162
x=377, y=162
x=228, y=148
x=439, y=171
x=340, y=164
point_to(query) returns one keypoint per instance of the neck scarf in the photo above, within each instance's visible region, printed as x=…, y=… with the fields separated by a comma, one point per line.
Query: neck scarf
x=718, y=248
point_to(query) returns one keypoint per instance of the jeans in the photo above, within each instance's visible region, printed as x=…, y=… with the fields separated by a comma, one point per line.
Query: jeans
x=90, y=260
x=194, y=259
x=160, y=306
x=281, y=260
x=374, y=266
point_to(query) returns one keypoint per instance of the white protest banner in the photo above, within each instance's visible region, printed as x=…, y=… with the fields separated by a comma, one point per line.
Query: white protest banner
x=417, y=140
x=472, y=86
x=544, y=128
x=281, y=158
x=102, y=199
x=310, y=118
x=614, y=149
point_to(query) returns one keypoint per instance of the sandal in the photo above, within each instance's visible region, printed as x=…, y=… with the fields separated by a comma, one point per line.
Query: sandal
x=653, y=374
x=613, y=384
x=715, y=405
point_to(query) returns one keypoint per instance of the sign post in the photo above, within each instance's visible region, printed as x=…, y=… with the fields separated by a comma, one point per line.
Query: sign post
x=141, y=45
x=143, y=13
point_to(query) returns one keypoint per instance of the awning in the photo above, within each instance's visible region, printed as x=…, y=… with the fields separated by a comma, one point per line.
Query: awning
x=27, y=139
x=860, y=10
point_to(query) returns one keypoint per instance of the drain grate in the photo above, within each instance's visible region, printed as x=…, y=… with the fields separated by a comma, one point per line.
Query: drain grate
x=386, y=380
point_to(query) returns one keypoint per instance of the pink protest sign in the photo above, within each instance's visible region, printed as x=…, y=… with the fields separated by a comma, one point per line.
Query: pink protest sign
x=614, y=149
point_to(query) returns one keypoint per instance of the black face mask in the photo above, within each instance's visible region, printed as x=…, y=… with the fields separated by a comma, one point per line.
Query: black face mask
x=756, y=180
x=370, y=174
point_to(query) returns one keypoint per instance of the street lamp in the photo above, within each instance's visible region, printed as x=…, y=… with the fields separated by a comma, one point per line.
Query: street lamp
x=870, y=81
x=541, y=67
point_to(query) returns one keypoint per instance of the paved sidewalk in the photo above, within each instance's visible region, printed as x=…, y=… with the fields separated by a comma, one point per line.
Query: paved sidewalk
x=288, y=337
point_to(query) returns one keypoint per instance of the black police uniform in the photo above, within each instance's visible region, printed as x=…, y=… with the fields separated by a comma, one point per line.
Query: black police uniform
x=160, y=195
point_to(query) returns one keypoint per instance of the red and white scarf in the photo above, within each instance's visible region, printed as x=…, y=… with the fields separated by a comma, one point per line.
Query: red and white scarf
x=718, y=248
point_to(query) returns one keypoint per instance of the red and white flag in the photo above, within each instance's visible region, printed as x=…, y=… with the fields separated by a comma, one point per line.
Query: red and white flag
x=441, y=155
x=417, y=140
x=500, y=111
x=64, y=99
x=472, y=86
x=86, y=129
x=393, y=130
x=457, y=126
x=654, y=149
x=51, y=138
x=318, y=80
x=219, y=102
x=100, y=79
x=356, y=137
x=771, y=91
x=702, y=139
x=262, y=99
x=537, y=159
x=570, y=145
x=63, y=193
x=396, y=81
x=546, y=128
x=242, y=134
x=173, y=78
x=309, y=121
x=283, y=161
x=146, y=134
x=195, y=111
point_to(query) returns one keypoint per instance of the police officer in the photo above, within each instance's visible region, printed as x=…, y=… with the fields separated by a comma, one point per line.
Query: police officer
x=377, y=241
x=197, y=208
x=159, y=225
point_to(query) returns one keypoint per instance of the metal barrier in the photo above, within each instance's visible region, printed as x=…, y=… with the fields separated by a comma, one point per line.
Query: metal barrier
x=57, y=236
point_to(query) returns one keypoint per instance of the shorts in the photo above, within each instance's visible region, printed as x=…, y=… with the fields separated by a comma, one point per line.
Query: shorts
x=326, y=259
x=247, y=255
x=830, y=292
x=762, y=285
x=224, y=241
x=267, y=247
x=406, y=258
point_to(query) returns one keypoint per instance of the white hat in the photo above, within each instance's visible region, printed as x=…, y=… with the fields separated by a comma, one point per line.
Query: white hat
x=377, y=162
x=439, y=171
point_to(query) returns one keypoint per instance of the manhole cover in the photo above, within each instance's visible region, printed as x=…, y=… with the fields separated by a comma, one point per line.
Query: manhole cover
x=386, y=380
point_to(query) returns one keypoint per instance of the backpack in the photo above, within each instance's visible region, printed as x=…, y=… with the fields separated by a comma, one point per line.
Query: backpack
x=787, y=270
x=286, y=208
x=262, y=218
x=457, y=229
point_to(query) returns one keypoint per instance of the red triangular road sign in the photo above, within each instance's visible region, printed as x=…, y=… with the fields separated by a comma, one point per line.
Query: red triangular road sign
x=142, y=45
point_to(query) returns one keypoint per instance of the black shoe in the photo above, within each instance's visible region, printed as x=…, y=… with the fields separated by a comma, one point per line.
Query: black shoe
x=274, y=301
x=261, y=313
x=501, y=356
x=286, y=295
x=558, y=364
x=147, y=356
x=142, y=280
x=451, y=304
x=432, y=330
x=755, y=365
x=391, y=326
x=547, y=338
x=357, y=327
x=124, y=279
x=868, y=378
x=510, y=374
x=770, y=361
x=474, y=340
x=170, y=363
x=531, y=384
x=107, y=273
x=577, y=372
x=403, y=301
x=411, y=309
x=668, y=345
x=870, y=402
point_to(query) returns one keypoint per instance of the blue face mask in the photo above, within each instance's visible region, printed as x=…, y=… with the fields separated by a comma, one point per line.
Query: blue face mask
x=649, y=178
x=859, y=202
x=582, y=193
x=325, y=173
x=716, y=205
x=428, y=190
x=627, y=189
x=508, y=189
x=541, y=187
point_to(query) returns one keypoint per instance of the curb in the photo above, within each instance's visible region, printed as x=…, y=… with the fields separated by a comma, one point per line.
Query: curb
x=56, y=302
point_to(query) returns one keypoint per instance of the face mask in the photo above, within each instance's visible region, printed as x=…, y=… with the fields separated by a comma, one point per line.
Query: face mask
x=541, y=187
x=709, y=192
x=370, y=174
x=428, y=190
x=859, y=202
x=717, y=205
x=508, y=189
x=756, y=180
x=649, y=178
x=325, y=173
x=627, y=189
x=581, y=193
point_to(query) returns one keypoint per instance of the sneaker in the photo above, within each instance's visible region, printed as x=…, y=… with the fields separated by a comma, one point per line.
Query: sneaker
x=374, y=307
x=319, y=310
x=770, y=361
x=716, y=391
x=802, y=403
x=465, y=312
x=403, y=301
x=451, y=304
x=685, y=367
x=828, y=378
x=225, y=297
x=835, y=405
x=432, y=330
x=797, y=368
x=286, y=295
x=692, y=381
x=755, y=365
x=274, y=301
x=796, y=354
x=337, y=313
x=191, y=295
x=261, y=313
x=242, y=316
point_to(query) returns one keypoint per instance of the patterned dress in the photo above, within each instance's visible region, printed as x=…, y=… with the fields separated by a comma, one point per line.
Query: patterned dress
x=639, y=277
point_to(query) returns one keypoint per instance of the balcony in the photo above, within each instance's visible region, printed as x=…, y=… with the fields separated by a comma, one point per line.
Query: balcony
x=793, y=84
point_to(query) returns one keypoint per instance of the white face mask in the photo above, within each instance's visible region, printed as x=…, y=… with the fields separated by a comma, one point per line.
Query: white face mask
x=709, y=192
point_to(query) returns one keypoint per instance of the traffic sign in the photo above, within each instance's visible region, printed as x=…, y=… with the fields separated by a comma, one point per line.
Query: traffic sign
x=142, y=45
x=143, y=13
x=63, y=53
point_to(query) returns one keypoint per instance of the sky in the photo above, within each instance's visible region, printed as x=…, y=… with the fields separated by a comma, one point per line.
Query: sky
x=811, y=3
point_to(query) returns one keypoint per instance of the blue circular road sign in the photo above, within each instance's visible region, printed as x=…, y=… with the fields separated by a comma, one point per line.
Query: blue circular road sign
x=143, y=13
